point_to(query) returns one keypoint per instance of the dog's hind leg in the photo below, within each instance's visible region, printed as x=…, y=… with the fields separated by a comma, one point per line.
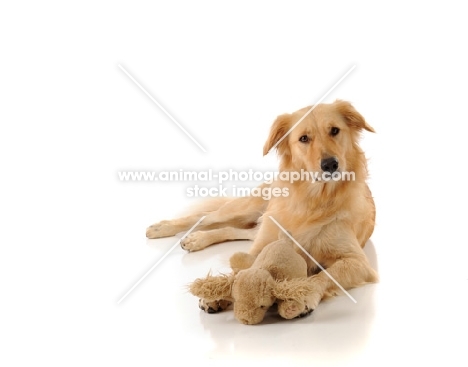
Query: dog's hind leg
x=201, y=239
x=240, y=213
x=167, y=228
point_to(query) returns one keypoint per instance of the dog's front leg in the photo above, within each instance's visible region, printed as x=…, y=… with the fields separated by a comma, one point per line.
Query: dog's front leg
x=346, y=272
x=267, y=233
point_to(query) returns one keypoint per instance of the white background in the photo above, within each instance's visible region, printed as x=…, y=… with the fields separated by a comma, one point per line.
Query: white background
x=72, y=236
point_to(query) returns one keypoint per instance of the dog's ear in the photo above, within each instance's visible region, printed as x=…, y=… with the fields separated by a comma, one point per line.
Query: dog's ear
x=352, y=117
x=278, y=130
x=213, y=288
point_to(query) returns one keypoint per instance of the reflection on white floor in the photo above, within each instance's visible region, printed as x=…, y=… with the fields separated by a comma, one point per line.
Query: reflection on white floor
x=389, y=320
x=338, y=330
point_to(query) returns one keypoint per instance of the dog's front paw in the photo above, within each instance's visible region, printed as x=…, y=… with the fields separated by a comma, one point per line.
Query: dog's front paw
x=214, y=306
x=195, y=241
x=291, y=309
x=306, y=311
x=161, y=229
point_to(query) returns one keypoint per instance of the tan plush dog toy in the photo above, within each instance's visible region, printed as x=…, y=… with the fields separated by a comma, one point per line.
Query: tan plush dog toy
x=278, y=274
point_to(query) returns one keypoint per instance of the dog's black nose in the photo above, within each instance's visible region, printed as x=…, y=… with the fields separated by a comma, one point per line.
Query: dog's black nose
x=329, y=164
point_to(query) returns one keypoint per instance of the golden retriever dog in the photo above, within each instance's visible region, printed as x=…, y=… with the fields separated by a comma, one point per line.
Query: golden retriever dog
x=331, y=219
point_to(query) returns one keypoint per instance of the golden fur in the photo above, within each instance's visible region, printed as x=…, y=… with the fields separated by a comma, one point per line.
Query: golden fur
x=332, y=220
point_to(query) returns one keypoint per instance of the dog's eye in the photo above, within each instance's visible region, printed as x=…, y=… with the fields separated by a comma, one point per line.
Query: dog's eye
x=304, y=139
x=334, y=131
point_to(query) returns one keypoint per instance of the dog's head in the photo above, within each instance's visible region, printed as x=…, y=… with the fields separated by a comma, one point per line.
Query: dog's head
x=325, y=141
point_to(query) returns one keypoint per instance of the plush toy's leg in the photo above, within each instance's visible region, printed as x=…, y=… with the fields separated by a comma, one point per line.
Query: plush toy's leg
x=215, y=306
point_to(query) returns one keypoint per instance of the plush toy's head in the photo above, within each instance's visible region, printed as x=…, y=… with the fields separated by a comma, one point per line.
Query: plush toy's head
x=253, y=291
x=277, y=274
